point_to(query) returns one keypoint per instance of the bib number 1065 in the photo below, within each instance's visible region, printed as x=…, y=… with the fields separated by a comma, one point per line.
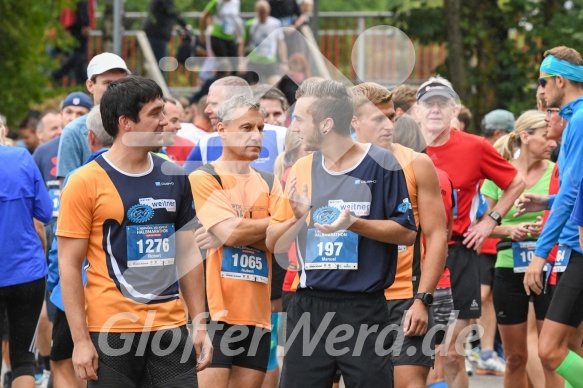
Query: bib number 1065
x=247, y=261
x=153, y=245
x=329, y=248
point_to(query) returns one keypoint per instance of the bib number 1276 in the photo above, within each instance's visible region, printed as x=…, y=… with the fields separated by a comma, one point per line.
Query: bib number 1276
x=155, y=245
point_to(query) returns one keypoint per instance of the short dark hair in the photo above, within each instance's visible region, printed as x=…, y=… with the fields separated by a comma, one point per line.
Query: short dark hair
x=126, y=97
x=30, y=121
x=465, y=116
x=332, y=101
x=268, y=92
x=404, y=97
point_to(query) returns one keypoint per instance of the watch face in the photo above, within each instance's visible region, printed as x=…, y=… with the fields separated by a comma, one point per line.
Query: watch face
x=495, y=216
x=425, y=297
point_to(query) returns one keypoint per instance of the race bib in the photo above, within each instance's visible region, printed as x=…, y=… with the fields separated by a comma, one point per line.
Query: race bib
x=522, y=254
x=264, y=51
x=228, y=27
x=244, y=263
x=55, y=195
x=563, y=257
x=337, y=250
x=151, y=245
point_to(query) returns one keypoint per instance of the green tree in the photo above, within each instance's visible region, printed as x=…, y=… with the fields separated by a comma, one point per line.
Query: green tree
x=494, y=46
x=25, y=65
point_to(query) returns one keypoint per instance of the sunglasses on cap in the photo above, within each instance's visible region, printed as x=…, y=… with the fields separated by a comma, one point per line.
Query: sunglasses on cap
x=542, y=81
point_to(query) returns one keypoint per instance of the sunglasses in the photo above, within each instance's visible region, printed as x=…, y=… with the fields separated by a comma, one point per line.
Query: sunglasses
x=542, y=81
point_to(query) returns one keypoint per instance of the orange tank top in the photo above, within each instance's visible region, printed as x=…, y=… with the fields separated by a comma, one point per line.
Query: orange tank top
x=402, y=288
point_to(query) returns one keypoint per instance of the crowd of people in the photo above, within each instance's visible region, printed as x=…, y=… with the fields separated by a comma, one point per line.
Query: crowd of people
x=352, y=232
x=267, y=45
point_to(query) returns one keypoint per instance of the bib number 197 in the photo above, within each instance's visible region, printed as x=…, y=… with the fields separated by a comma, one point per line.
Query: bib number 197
x=329, y=248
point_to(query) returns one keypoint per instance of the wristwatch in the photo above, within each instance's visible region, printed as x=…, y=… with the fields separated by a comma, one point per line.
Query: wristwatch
x=425, y=297
x=495, y=216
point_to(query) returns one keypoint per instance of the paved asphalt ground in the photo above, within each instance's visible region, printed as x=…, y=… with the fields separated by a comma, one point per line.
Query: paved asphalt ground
x=479, y=382
x=475, y=381
x=486, y=382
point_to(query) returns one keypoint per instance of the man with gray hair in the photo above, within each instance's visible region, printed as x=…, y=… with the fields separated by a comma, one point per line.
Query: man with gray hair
x=99, y=140
x=467, y=159
x=234, y=203
x=210, y=148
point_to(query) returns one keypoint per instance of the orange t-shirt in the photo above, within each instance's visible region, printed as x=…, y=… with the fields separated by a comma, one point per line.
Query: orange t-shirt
x=232, y=297
x=129, y=221
x=402, y=288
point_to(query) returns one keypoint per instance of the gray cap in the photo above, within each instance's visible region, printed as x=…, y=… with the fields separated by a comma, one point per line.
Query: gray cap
x=499, y=119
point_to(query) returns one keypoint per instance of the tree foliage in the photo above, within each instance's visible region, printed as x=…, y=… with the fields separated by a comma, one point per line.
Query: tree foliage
x=22, y=46
x=502, y=44
x=24, y=41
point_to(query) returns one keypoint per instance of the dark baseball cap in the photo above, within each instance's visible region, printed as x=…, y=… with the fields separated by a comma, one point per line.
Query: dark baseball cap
x=435, y=89
x=77, y=99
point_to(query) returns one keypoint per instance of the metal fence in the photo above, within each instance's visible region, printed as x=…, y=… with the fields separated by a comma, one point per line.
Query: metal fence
x=338, y=32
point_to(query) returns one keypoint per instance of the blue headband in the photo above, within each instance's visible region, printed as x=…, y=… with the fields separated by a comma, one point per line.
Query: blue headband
x=567, y=70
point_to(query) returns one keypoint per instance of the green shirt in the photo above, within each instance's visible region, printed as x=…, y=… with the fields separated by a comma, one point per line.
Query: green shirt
x=489, y=189
x=225, y=18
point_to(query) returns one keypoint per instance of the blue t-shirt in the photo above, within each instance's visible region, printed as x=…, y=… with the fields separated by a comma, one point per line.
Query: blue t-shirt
x=73, y=147
x=577, y=216
x=23, y=196
x=45, y=157
x=559, y=226
x=54, y=279
x=375, y=189
x=210, y=148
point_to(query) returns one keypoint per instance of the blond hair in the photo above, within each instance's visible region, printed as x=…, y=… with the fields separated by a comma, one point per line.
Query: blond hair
x=289, y=156
x=528, y=122
x=369, y=93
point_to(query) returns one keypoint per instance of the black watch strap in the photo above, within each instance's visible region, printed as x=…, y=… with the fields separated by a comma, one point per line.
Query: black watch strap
x=425, y=297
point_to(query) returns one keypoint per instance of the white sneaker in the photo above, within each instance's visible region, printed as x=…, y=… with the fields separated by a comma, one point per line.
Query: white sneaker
x=43, y=382
x=473, y=356
x=469, y=368
x=492, y=366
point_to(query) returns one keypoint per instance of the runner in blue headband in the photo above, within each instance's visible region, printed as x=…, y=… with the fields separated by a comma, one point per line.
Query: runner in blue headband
x=559, y=338
x=554, y=66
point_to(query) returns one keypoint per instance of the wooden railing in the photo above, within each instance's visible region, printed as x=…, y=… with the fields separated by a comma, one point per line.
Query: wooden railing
x=338, y=33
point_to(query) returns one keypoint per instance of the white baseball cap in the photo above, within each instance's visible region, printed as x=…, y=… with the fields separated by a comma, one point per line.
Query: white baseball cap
x=104, y=62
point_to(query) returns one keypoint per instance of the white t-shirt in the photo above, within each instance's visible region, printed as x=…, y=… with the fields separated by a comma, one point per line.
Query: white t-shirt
x=191, y=132
x=262, y=39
